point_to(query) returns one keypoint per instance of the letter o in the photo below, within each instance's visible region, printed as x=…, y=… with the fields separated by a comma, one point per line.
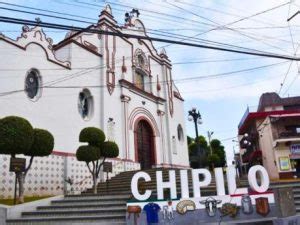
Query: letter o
x=265, y=181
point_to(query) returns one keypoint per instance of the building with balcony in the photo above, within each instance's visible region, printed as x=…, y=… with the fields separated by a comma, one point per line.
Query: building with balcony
x=271, y=135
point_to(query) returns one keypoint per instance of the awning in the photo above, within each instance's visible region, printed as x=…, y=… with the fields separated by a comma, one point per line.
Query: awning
x=285, y=115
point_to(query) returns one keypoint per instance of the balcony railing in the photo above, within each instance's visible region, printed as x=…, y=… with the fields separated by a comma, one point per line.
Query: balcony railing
x=288, y=134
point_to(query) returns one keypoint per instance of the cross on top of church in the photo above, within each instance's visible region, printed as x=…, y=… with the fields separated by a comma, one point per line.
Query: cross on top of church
x=130, y=15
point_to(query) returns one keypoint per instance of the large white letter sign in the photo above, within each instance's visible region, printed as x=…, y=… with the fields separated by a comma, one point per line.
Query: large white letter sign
x=184, y=184
x=220, y=184
x=161, y=185
x=134, y=186
x=197, y=183
x=264, y=177
x=231, y=181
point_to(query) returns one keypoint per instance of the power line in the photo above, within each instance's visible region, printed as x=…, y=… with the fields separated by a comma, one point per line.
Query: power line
x=295, y=52
x=228, y=24
x=173, y=64
x=239, y=10
x=227, y=88
x=236, y=28
x=44, y=10
x=187, y=19
x=289, y=68
x=43, y=14
x=72, y=76
x=212, y=76
x=285, y=76
x=144, y=10
x=160, y=32
x=47, y=15
x=119, y=34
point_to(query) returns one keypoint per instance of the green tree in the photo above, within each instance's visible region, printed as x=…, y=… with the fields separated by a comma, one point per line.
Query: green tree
x=198, y=152
x=200, y=145
x=213, y=160
x=218, y=149
x=17, y=136
x=96, y=151
x=189, y=140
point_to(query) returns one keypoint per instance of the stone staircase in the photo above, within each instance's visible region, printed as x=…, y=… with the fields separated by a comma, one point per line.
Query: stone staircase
x=296, y=191
x=78, y=209
x=109, y=205
x=122, y=182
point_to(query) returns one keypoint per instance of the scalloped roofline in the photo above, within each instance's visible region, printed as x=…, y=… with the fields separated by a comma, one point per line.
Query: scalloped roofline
x=36, y=36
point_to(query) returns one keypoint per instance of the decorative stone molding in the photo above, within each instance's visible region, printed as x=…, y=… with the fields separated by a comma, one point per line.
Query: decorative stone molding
x=142, y=112
x=132, y=88
x=106, y=13
x=125, y=98
x=160, y=113
x=110, y=64
x=140, y=60
x=124, y=68
x=36, y=36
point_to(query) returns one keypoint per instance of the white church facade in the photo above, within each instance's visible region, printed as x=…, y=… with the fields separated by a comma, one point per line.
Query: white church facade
x=124, y=86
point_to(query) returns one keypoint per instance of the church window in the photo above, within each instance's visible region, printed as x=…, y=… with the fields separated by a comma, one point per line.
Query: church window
x=33, y=84
x=85, y=104
x=139, y=80
x=141, y=61
x=142, y=80
x=180, y=133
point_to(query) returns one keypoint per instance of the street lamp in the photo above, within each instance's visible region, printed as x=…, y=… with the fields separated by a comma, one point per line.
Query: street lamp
x=196, y=117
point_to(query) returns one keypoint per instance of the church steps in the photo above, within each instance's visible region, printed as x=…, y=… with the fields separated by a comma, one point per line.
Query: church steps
x=91, y=209
x=90, y=200
x=126, y=179
x=99, y=220
x=153, y=185
x=65, y=213
x=204, y=192
x=75, y=203
x=80, y=207
x=107, y=208
x=95, y=197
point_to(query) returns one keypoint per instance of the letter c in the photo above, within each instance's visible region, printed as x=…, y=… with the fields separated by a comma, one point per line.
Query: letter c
x=134, y=186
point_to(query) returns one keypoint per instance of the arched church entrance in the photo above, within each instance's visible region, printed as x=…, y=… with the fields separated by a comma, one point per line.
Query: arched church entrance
x=144, y=141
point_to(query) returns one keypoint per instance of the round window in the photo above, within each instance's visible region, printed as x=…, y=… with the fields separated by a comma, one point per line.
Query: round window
x=85, y=104
x=33, y=84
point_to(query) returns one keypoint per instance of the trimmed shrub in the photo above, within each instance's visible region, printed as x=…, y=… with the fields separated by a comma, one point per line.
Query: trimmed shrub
x=16, y=135
x=109, y=149
x=43, y=143
x=92, y=135
x=87, y=153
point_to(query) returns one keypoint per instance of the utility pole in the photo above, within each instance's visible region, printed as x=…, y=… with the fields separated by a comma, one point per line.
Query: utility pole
x=209, y=134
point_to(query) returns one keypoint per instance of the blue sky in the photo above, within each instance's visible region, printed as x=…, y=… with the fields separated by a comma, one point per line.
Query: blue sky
x=221, y=100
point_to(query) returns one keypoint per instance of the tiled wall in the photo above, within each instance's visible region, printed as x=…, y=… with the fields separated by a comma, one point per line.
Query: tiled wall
x=47, y=175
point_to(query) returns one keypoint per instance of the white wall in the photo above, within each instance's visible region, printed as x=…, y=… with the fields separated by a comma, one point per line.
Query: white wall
x=57, y=108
